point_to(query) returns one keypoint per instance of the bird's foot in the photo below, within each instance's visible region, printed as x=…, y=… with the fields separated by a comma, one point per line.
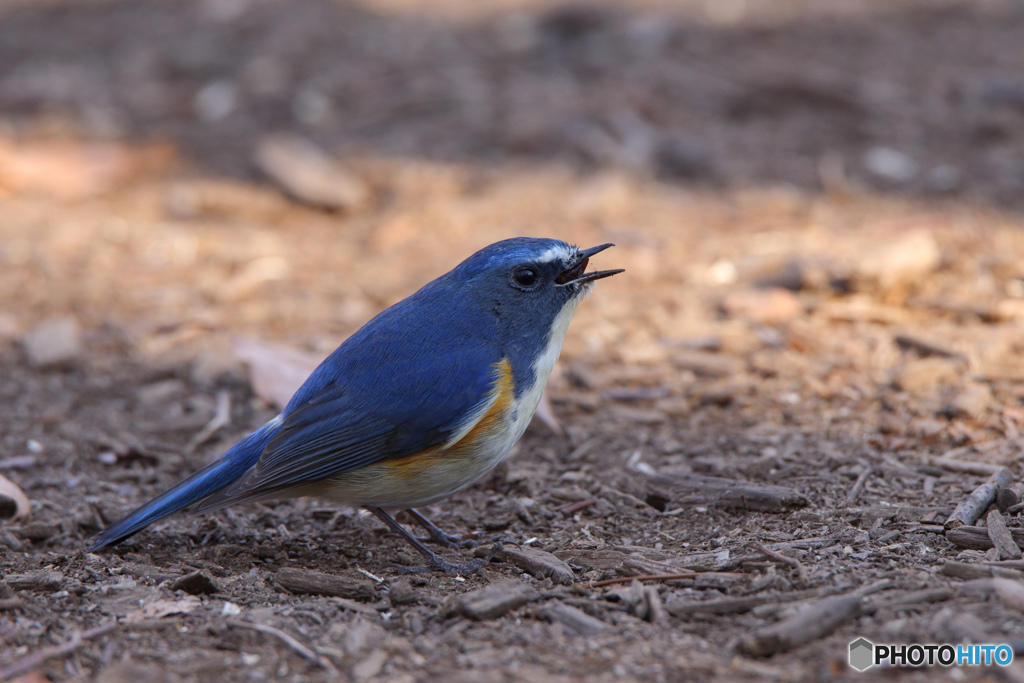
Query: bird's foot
x=448, y=540
x=439, y=564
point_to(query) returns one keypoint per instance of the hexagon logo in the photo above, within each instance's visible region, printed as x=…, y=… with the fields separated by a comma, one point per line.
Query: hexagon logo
x=862, y=654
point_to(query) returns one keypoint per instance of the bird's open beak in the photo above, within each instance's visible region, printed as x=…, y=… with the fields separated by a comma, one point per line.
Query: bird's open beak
x=576, y=275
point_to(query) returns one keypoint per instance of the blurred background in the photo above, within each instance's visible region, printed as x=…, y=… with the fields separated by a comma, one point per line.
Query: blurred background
x=817, y=203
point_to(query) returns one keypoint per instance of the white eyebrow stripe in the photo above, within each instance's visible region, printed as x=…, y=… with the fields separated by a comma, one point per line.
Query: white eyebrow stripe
x=556, y=252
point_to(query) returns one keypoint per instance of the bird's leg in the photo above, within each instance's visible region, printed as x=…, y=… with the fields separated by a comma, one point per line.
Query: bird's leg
x=436, y=562
x=438, y=535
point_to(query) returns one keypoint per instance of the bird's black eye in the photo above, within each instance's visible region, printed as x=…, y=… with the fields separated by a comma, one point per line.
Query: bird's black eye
x=525, y=277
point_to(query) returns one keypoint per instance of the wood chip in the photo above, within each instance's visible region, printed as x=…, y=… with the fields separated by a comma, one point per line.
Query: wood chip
x=898, y=600
x=706, y=364
x=35, y=659
x=924, y=375
x=964, y=570
x=492, y=601
x=691, y=489
x=815, y=621
x=976, y=537
x=971, y=402
x=603, y=560
x=739, y=605
x=1010, y=593
x=538, y=563
x=275, y=372
x=974, y=505
x=305, y=581
x=1001, y=537
x=309, y=175
x=41, y=581
x=954, y=465
x=196, y=583
x=576, y=620
x=927, y=347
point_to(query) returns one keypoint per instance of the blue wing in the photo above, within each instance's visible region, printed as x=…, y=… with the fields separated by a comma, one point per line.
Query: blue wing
x=375, y=398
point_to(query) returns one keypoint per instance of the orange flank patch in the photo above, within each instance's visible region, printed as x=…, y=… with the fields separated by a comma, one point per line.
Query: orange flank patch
x=503, y=389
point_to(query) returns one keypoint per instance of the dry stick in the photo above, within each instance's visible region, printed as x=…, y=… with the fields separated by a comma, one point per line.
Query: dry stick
x=288, y=640
x=745, y=604
x=814, y=622
x=646, y=577
x=1001, y=537
x=801, y=571
x=858, y=486
x=928, y=348
x=32, y=661
x=572, y=508
x=972, y=507
x=977, y=538
x=221, y=418
x=982, y=468
x=655, y=608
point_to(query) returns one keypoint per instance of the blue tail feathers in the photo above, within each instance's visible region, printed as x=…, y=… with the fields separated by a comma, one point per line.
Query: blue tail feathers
x=207, y=481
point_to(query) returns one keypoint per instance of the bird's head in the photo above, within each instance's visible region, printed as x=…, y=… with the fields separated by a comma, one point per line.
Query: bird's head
x=530, y=281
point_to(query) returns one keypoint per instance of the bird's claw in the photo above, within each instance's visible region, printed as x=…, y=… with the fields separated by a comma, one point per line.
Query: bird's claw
x=449, y=541
x=439, y=564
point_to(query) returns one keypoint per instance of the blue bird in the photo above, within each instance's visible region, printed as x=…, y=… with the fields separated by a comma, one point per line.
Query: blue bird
x=418, y=404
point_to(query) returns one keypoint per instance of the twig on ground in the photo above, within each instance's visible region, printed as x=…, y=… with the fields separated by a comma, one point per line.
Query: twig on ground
x=974, y=505
x=927, y=348
x=977, y=538
x=982, y=468
x=801, y=571
x=645, y=577
x=744, y=604
x=735, y=494
x=858, y=486
x=573, y=508
x=816, y=621
x=33, y=660
x=655, y=608
x=221, y=418
x=288, y=640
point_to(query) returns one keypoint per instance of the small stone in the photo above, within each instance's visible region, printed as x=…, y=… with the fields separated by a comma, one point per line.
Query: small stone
x=971, y=402
x=196, y=583
x=492, y=601
x=890, y=165
x=53, y=342
x=765, y=306
x=216, y=101
x=921, y=375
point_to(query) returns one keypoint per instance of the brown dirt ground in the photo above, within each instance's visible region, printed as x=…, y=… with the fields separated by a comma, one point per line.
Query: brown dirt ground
x=759, y=334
